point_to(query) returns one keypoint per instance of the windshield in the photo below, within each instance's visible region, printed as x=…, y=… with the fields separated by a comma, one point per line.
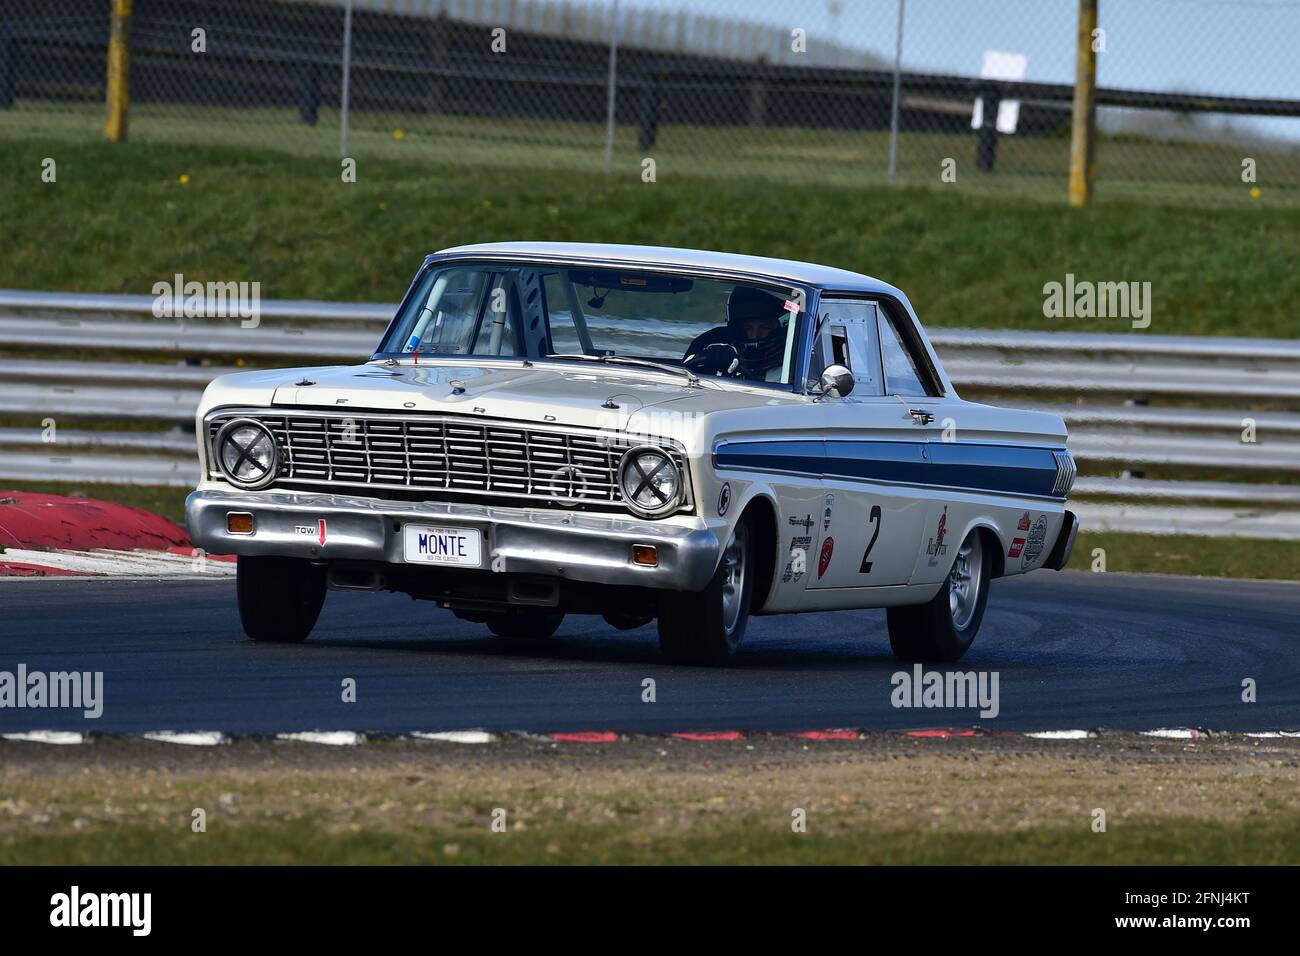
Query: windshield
x=743, y=331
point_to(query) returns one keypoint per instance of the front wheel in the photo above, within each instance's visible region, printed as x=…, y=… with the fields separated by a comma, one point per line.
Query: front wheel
x=706, y=627
x=279, y=598
x=943, y=629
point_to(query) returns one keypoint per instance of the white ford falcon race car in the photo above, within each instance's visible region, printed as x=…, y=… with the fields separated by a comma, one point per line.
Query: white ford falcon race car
x=640, y=433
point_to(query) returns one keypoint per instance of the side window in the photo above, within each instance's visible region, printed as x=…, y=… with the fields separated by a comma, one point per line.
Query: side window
x=902, y=374
x=848, y=337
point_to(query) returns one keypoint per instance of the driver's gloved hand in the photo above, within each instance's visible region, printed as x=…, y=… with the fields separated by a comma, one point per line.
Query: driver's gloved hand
x=719, y=358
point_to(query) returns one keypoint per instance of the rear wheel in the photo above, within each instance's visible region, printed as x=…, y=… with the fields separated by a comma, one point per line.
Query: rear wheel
x=279, y=598
x=943, y=629
x=706, y=627
x=525, y=625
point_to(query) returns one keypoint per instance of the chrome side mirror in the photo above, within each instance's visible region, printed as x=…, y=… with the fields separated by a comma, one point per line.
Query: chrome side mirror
x=837, y=381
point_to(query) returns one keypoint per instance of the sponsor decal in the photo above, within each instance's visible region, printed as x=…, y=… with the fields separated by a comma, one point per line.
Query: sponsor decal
x=1024, y=522
x=1034, y=544
x=806, y=522
x=826, y=512
x=724, y=499
x=824, y=562
x=937, y=548
x=1016, y=545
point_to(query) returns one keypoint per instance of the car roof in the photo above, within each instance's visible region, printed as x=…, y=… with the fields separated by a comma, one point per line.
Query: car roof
x=762, y=267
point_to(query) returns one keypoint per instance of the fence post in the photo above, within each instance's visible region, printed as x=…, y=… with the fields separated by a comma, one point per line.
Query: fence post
x=118, y=71
x=309, y=94
x=647, y=112
x=610, y=98
x=8, y=71
x=343, y=95
x=986, y=148
x=1084, y=126
x=893, y=107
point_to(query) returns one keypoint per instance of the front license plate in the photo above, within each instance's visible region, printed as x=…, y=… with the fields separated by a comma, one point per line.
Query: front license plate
x=443, y=545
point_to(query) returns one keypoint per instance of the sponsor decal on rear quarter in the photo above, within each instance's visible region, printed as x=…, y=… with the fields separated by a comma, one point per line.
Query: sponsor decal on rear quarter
x=1034, y=544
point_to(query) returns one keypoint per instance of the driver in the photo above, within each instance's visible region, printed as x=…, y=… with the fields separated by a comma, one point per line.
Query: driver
x=752, y=343
x=755, y=327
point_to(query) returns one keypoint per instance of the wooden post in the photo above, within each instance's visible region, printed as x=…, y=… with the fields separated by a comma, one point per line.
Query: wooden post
x=1084, y=130
x=118, y=94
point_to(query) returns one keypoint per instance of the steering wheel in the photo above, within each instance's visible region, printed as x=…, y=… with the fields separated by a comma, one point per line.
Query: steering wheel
x=717, y=358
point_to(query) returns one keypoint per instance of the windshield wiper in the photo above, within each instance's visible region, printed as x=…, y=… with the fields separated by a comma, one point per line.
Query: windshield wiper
x=691, y=378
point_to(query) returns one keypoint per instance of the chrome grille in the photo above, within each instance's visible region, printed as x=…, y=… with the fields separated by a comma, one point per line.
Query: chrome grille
x=396, y=454
x=1066, y=470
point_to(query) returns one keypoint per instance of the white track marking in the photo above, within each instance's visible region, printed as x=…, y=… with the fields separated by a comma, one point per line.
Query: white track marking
x=1276, y=733
x=192, y=738
x=332, y=738
x=61, y=737
x=1059, y=735
x=457, y=736
x=122, y=563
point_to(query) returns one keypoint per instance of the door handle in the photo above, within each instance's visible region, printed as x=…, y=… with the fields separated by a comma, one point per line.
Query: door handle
x=920, y=416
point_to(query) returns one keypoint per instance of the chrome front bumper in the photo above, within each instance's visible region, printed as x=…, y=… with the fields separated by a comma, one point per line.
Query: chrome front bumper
x=568, y=545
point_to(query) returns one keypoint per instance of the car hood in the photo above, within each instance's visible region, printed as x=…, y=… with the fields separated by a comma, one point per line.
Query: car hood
x=565, y=395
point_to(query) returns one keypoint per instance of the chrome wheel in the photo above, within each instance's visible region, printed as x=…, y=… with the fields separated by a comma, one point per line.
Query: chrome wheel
x=733, y=578
x=965, y=580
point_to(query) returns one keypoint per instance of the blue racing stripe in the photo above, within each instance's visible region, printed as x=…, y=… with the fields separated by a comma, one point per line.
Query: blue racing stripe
x=1007, y=469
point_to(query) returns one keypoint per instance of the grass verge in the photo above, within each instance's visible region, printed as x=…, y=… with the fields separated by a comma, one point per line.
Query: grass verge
x=888, y=800
x=1187, y=554
x=118, y=219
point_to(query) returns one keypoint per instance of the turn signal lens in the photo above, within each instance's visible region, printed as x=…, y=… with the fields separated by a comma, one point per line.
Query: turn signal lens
x=645, y=554
x=239, y=522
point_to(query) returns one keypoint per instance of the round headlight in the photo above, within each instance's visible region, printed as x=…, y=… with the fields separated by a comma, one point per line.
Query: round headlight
x=247, y=453
x=650, y=481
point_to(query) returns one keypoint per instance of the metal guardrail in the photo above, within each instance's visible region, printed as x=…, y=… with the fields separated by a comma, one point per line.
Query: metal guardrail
x=1099, y=383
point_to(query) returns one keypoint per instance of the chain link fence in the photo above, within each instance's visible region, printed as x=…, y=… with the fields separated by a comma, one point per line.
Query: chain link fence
x=1196, y=98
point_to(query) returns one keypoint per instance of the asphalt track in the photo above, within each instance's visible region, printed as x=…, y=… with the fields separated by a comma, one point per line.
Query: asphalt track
x=1072, y=650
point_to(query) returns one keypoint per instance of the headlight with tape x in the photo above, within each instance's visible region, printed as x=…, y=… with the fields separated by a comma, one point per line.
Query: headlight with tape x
x=650, y=481
x=247, y=453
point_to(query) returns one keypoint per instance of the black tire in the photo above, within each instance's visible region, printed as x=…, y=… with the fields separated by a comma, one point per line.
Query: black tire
x=704, y=627
x=936, y=631
x=279, y=598
x=626, y=621
x=525, y=625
